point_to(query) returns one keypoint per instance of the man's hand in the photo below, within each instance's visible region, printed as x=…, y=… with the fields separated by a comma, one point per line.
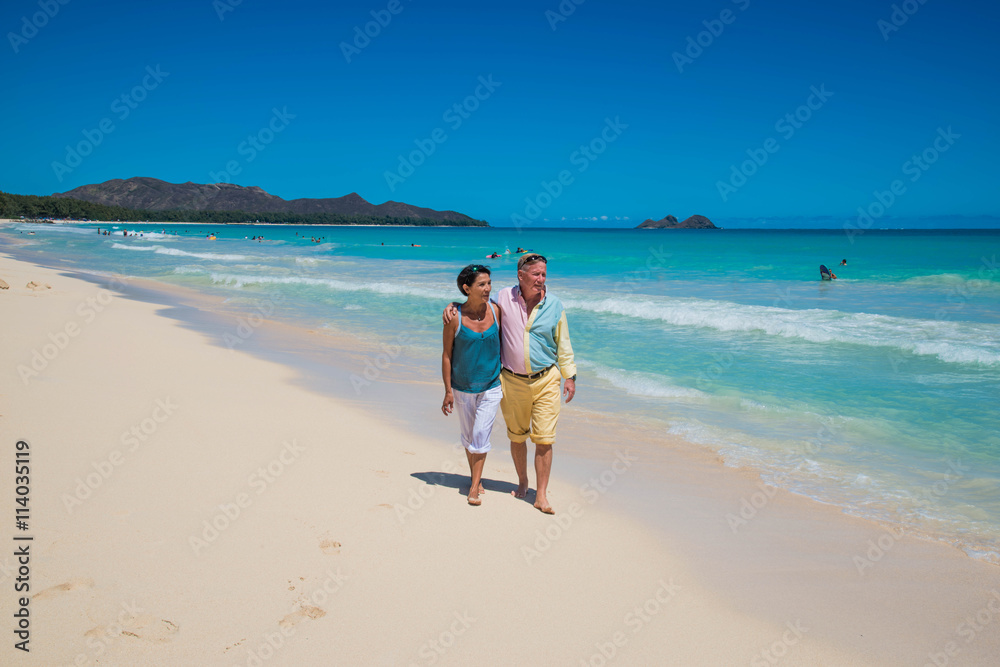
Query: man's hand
x=448, y=404
x=569, y=390
x=449, y=313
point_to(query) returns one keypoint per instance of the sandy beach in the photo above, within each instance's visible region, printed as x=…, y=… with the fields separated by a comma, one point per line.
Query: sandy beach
x=191, y=504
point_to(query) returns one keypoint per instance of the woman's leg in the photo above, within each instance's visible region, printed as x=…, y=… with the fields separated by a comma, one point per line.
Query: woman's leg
x=476, y=463
x=486, y=412
x=470, y=457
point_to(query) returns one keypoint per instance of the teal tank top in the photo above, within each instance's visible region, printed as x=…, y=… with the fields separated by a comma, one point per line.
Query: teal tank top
x=475, y=357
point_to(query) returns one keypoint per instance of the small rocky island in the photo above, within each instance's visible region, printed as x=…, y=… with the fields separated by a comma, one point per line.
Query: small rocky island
x=670, y=222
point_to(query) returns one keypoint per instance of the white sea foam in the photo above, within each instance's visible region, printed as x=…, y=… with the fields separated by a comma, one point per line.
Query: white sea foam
x=158, y=236
x=122, y=246
x=641, y=384
x=59, y=228
x=953, y=280
x=160, y=250
x=953, y=342
x=201, y=255
x=390, y=289
x=755, y=406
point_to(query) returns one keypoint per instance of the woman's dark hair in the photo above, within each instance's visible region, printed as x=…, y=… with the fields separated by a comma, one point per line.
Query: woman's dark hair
x=468, y=276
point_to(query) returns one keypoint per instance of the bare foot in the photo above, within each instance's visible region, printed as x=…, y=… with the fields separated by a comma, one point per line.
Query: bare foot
x=482, y=489
x=475, y=501
x=522, y=490
x=544, y=507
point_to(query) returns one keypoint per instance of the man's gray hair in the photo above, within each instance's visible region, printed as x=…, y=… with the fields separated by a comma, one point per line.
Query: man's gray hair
x=530, y=258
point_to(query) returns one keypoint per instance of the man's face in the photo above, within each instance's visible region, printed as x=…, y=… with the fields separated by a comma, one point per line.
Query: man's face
x=532, y=279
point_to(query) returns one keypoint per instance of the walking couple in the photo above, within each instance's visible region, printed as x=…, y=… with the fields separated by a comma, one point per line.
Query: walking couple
x=513, y=352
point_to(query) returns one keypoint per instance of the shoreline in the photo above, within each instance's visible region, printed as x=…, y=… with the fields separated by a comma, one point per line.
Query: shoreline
x=4, y=221
x=838, y=229
x=673, y=503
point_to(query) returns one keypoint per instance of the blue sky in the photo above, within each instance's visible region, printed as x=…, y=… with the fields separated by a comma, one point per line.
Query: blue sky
x=785, y=110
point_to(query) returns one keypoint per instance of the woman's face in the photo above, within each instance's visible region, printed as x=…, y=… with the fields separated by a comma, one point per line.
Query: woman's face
x=480, y=289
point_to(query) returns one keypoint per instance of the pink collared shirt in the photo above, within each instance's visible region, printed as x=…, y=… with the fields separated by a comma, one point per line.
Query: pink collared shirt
x=515, y=319
x=533, y=341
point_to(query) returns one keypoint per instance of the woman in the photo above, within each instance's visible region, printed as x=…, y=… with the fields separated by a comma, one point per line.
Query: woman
x=470, y=368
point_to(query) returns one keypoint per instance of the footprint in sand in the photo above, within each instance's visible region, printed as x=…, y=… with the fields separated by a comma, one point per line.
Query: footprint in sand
x=143, y=627
x=150, y=629
x=234, y=645
x=38, y=286
x=3, y=284
x=329, y=546
x=71, y=585
x=297, y=617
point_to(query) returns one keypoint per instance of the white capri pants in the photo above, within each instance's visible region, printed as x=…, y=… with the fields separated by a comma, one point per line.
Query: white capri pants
x=476, y=413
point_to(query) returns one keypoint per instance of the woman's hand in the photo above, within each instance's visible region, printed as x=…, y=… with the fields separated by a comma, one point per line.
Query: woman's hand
x=450, y=312
x=449, y=402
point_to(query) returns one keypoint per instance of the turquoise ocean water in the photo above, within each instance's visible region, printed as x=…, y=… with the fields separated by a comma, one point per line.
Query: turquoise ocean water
x=877, y=392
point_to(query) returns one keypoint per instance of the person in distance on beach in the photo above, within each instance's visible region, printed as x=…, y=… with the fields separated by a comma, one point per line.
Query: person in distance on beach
x=470, y=368
x=536, y=355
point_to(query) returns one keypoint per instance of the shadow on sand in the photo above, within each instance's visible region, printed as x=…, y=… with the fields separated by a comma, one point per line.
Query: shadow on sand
x=461, y=483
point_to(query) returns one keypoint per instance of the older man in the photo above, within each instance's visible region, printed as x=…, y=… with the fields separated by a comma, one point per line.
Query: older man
x=536, y=354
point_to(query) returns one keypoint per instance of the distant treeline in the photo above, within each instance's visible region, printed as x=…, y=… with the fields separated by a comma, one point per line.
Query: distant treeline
x=35, y=207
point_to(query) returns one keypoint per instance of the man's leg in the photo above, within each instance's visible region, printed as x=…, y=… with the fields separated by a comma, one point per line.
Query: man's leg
x=519, y=452
x=544, y=417
x=543, y=466
x=516, y=408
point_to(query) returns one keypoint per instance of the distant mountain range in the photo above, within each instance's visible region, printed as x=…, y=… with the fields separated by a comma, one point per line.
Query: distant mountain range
x=670, y=222
x=152, y=194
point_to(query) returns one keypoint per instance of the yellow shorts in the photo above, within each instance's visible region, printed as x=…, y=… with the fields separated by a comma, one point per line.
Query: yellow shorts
x=531, y=407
